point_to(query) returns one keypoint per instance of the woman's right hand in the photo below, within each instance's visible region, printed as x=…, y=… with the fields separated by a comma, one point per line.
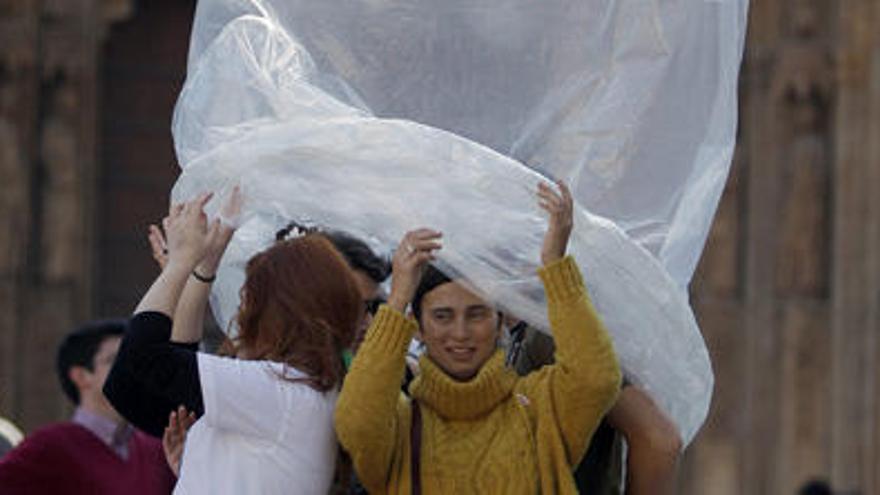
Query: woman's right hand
x=416, y=249
x=218, y=234
x=187, y=233
x=559, y=206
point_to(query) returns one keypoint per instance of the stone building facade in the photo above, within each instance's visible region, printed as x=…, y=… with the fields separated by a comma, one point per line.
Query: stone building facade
x=787, y=294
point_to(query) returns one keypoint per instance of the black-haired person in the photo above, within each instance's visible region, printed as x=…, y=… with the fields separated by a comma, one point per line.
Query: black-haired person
x=97, y=451
x=370, y=270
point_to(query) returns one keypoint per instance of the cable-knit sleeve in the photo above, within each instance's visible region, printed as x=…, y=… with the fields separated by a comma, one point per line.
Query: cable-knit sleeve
x=366, y=414
x=584, y=381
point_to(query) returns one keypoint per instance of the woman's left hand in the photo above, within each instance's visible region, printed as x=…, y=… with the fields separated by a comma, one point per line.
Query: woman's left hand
x=560, y=207
x=221, y=232
x=174, y=438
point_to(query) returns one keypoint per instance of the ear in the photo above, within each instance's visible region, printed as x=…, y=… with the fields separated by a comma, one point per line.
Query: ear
x=80, y=376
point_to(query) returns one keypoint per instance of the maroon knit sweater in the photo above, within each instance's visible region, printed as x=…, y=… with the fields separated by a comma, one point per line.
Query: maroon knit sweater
x=67, y=458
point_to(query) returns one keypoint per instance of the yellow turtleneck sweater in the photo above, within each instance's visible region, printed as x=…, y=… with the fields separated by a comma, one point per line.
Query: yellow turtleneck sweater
x=496, y=433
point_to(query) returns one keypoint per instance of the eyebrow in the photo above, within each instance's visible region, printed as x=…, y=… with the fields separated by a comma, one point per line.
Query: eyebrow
x=468, y=309
x=481, y=307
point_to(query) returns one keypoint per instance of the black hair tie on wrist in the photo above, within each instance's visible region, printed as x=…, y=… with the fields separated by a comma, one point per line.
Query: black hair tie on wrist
x=204, y=279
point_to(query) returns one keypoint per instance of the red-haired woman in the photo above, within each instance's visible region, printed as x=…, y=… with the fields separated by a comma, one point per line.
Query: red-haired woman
x=266, y=410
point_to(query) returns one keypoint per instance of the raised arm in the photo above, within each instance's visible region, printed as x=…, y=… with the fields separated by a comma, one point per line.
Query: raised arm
x=367, y=423
x=188, y=239
x=189, y=317
x=151, y=377
x=584, y=381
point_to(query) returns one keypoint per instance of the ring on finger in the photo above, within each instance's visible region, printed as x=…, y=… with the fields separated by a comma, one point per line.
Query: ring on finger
x=409, y=248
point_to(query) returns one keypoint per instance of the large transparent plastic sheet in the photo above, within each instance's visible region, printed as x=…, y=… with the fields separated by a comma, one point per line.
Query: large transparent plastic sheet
x=378, y=116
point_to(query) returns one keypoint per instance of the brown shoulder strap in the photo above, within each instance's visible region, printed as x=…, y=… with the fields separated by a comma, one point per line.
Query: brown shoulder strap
x=415, y=448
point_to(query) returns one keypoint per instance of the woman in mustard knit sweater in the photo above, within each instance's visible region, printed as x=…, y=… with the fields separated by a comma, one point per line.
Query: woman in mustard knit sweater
x=479, y=428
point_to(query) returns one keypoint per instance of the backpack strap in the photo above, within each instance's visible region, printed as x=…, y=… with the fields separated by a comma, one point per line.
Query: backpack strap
x=415, y=448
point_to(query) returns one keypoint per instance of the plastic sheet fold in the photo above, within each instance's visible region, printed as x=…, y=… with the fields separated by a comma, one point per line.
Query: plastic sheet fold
x=378, y=116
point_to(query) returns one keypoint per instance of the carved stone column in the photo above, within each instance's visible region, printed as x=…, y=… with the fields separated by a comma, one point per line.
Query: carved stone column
x=18, y=117
x=763, y=291
x=803, y=90
x=49, y=57
x=856, y=274
x=762, y=127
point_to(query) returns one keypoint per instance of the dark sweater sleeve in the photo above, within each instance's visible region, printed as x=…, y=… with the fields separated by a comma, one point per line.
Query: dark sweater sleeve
x=153, y=376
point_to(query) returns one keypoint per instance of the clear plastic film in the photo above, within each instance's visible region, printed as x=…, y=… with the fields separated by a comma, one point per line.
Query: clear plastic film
x=378, y=116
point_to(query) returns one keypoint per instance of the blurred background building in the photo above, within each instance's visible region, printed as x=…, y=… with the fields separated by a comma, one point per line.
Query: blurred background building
x=787, y=293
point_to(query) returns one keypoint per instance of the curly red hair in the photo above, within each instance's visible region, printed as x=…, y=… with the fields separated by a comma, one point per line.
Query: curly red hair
x=299, y=306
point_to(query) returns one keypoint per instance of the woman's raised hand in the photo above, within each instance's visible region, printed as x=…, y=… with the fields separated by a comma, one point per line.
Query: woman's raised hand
x=190, y=240
x=560, y=207
x=221, y=232
x=187, y=234
x=415, y=251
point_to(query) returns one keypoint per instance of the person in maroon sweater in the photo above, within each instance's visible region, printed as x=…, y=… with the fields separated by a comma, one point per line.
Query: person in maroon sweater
x=97, y=451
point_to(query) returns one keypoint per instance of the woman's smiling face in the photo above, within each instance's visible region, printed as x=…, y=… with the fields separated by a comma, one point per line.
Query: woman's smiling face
x=460, y=329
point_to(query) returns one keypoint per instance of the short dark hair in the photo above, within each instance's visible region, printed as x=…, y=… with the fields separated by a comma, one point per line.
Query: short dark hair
x=431, y=279
x=359, y=256
x=79, y=349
